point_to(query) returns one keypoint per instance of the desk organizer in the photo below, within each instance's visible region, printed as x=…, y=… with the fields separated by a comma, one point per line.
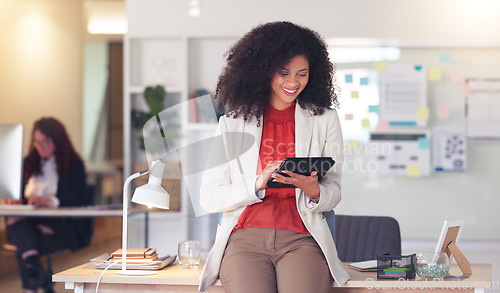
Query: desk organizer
x=396, y=266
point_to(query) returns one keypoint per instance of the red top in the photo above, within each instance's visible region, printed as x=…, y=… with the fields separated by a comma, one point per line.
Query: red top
x=278, y=209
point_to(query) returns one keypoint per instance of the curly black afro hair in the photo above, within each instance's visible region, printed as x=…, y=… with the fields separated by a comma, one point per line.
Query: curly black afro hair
x=245, y=83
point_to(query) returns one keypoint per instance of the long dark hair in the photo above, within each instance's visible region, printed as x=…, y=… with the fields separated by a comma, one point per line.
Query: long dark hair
x=244, y=84
x=64, y=151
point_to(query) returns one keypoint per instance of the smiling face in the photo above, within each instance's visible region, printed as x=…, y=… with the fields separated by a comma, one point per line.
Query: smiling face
x=43, y=145
x=289, y=82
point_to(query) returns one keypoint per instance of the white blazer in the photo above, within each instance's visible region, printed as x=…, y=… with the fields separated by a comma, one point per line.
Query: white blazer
x=230, y=187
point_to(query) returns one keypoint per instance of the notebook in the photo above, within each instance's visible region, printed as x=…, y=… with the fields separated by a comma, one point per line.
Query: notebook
x=364, y=266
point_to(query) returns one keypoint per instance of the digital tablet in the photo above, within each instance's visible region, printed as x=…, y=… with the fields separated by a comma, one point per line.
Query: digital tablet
x=303, y=166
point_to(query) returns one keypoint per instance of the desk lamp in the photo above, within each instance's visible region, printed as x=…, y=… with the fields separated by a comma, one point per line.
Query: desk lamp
x=151, y=195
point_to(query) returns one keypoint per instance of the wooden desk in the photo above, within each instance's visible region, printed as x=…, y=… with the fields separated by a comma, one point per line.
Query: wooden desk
x=83, y=278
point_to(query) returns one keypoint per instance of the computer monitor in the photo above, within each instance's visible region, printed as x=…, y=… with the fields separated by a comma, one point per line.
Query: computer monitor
x=11, y=160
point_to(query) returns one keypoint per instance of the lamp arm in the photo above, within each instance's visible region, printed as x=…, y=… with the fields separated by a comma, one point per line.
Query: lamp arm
x=126, y=198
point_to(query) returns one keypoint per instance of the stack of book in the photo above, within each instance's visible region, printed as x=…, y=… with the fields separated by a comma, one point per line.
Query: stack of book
x=136, y=255
x=105, y=261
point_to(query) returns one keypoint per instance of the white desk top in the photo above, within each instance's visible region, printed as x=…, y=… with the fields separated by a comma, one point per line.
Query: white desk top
x=87, y=211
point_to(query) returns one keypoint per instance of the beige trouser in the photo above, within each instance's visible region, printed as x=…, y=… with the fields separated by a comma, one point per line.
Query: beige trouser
x=262, y=260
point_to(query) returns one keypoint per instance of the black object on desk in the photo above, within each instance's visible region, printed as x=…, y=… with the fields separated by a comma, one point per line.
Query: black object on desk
x=396, y=266
x=303, y=166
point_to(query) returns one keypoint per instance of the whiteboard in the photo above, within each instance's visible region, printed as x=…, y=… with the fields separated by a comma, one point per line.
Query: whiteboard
x=420, y=205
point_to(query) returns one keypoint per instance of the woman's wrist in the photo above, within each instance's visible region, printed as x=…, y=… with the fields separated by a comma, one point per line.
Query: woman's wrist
x=315, y=200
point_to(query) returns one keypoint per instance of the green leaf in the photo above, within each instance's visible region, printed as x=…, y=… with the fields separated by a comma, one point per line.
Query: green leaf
x=154, y=98
x=139, y=118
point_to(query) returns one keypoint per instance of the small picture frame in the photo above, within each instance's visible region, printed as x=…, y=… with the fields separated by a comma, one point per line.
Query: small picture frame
x=450, y=232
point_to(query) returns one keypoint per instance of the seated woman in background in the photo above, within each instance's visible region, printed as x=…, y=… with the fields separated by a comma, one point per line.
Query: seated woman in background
x=54, y=176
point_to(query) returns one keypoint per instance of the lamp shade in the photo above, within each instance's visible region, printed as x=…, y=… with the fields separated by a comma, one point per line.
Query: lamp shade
x=152, y=195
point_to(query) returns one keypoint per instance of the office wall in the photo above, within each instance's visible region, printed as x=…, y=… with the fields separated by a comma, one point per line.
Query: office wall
x=461, y=21
x=41, y=63
x=422, y=204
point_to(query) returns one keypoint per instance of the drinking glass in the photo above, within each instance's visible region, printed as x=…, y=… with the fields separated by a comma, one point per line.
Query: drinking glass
x=189, y=254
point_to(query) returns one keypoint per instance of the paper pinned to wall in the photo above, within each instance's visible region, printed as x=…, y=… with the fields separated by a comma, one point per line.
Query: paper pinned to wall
x=483, y=109
x=403, y=90
x=400, y=153
x=449, y=149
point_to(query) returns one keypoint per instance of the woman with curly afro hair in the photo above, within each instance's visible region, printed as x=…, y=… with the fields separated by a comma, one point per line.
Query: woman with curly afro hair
x=278, y=84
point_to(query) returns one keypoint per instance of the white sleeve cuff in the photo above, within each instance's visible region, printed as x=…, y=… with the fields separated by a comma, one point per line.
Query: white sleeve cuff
x=260, y=193
x=53, y=201
x=309, y=203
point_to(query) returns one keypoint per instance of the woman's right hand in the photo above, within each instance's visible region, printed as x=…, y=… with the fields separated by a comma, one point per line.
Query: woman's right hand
x=265, y=176
x=37, y=201
x=14, y=201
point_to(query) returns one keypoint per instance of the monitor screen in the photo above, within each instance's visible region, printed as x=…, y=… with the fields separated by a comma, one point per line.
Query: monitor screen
x=11, y=160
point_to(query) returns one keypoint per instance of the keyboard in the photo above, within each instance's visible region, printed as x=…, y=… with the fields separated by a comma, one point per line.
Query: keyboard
x=17, y=207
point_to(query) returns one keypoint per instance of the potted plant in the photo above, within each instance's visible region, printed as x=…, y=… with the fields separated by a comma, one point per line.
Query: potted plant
x=154, y=97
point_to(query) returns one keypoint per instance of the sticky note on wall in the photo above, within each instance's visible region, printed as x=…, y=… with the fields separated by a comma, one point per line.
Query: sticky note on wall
x=348, y=78
x=365, y=123
x=456, y=76
x=383, y=126
x=373, y=108
x=413, y=171
x=363, y=81
x=444, y=57
x=423, y=114
x=443, y=112
x=353, y=144
x=424, y=143
x=434, y=74
x=465, y=89
x=354, y=94
x=379, y=66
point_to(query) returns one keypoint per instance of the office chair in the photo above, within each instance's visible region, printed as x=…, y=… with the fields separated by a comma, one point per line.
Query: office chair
x=88, y=230
x=360, y=238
